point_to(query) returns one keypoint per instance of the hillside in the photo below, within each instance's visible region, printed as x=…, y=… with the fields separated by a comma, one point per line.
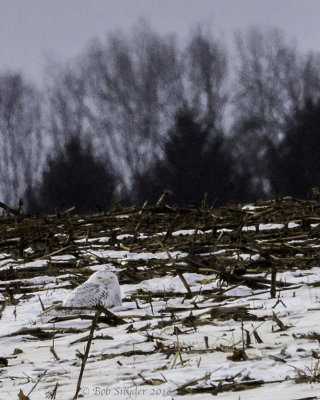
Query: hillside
x=221, y=302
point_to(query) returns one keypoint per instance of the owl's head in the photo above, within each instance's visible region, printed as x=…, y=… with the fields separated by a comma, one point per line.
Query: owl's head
x=104, y=277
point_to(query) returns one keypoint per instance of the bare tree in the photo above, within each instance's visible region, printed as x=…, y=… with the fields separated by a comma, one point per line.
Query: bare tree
x=268, y=84
x=310, y=78
x=205, y=74
x=135, y=87
x=272, y=80
x=66, y=105
x=21, y=140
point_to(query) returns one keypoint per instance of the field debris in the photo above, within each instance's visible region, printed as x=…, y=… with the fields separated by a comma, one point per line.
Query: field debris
x=215, y=301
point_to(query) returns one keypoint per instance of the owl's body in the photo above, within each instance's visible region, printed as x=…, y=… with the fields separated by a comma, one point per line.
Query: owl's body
x=102, y=288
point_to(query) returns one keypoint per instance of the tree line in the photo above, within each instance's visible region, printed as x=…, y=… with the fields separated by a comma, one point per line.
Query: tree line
x=142, y=113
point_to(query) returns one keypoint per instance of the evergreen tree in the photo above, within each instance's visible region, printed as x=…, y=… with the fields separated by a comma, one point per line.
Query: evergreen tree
x=194, y=163
x=295, y=164
x=74, y=178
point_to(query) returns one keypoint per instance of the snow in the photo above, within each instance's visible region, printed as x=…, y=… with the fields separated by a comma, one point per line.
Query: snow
x=123, y=362
x=124, y=254
x=263, y=227
x=65, y=257
x=123, y=379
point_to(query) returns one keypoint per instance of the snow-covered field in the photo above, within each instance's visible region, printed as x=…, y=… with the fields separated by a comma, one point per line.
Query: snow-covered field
x=189, y=335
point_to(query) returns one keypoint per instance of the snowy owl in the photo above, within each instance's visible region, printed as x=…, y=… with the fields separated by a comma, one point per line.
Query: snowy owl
x=102, y=288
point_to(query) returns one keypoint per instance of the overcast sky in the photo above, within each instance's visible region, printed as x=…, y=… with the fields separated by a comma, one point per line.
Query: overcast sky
x=31, y=30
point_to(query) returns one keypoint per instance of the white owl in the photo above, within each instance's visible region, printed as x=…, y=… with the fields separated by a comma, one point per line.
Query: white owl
x=102, y=288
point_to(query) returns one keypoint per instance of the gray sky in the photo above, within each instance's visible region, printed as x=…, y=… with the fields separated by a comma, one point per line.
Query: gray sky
x=30, y=30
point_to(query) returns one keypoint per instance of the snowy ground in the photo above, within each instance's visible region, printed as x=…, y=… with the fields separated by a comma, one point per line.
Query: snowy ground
x=237, y=343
